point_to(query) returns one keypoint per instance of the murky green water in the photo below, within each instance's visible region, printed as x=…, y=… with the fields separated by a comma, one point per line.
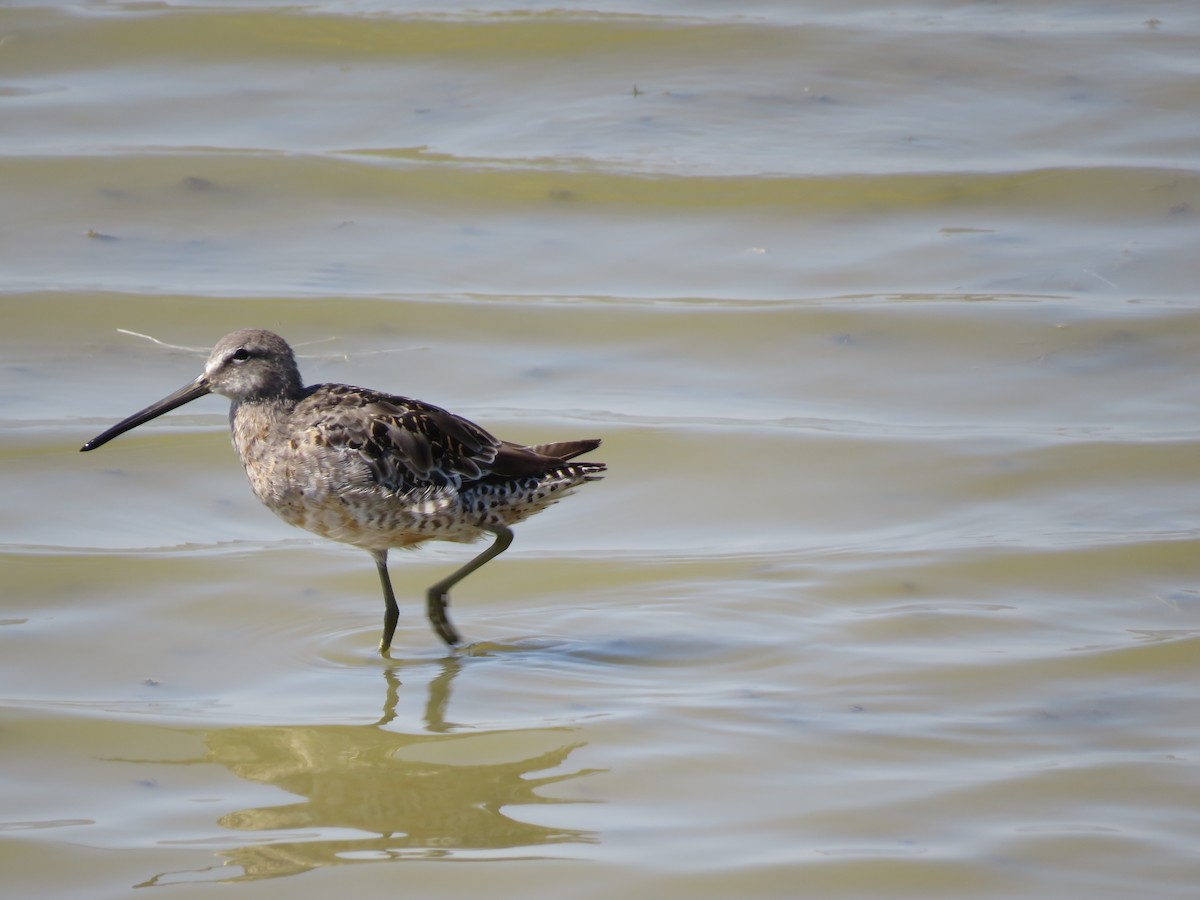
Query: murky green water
x=886, y=315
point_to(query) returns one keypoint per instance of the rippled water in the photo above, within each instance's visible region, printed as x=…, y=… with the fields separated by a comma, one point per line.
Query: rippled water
x=885, y=313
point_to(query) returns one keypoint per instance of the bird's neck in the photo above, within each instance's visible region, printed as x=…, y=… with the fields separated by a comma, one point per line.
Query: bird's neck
x=256, y=422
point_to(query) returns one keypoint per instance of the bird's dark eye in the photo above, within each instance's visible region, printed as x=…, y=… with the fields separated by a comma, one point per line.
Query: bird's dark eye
x=241, y=354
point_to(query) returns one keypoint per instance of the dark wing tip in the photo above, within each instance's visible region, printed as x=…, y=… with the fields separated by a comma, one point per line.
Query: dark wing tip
x=564, y=450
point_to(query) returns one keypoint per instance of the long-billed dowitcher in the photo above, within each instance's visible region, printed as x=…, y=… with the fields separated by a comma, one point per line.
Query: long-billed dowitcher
x=371, y=469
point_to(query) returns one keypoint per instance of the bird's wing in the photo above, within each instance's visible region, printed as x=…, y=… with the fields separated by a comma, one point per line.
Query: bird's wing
x=405, y=444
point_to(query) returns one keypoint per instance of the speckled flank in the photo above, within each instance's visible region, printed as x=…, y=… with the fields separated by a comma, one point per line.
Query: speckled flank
x=370, y=469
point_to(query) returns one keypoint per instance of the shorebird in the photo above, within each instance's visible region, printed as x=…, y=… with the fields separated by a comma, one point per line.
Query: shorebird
x=371, y=469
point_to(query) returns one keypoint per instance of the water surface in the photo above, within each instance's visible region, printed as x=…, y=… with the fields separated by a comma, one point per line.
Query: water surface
x=885, y=313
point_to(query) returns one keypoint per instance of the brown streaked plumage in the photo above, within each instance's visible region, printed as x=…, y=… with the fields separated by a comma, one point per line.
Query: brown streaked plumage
x=371, y=469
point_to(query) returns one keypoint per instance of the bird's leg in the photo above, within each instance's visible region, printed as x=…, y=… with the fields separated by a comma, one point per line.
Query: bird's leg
x=438, y=596
x=392, y=613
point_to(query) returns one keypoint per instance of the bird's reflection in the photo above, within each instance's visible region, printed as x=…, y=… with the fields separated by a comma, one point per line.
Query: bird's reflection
x=389, y=795
x=437, y=702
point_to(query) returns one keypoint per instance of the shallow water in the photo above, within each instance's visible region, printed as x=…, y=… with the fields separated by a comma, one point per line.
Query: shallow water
x=886, y=316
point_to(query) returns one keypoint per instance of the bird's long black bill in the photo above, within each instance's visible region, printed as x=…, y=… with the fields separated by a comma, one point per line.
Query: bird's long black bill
x=185, y=394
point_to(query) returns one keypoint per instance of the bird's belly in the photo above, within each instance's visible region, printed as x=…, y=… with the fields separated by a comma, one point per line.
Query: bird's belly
x=333, y=496
x=377, y=520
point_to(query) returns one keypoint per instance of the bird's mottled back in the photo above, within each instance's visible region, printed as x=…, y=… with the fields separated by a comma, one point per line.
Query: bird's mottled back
x=406, y=443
